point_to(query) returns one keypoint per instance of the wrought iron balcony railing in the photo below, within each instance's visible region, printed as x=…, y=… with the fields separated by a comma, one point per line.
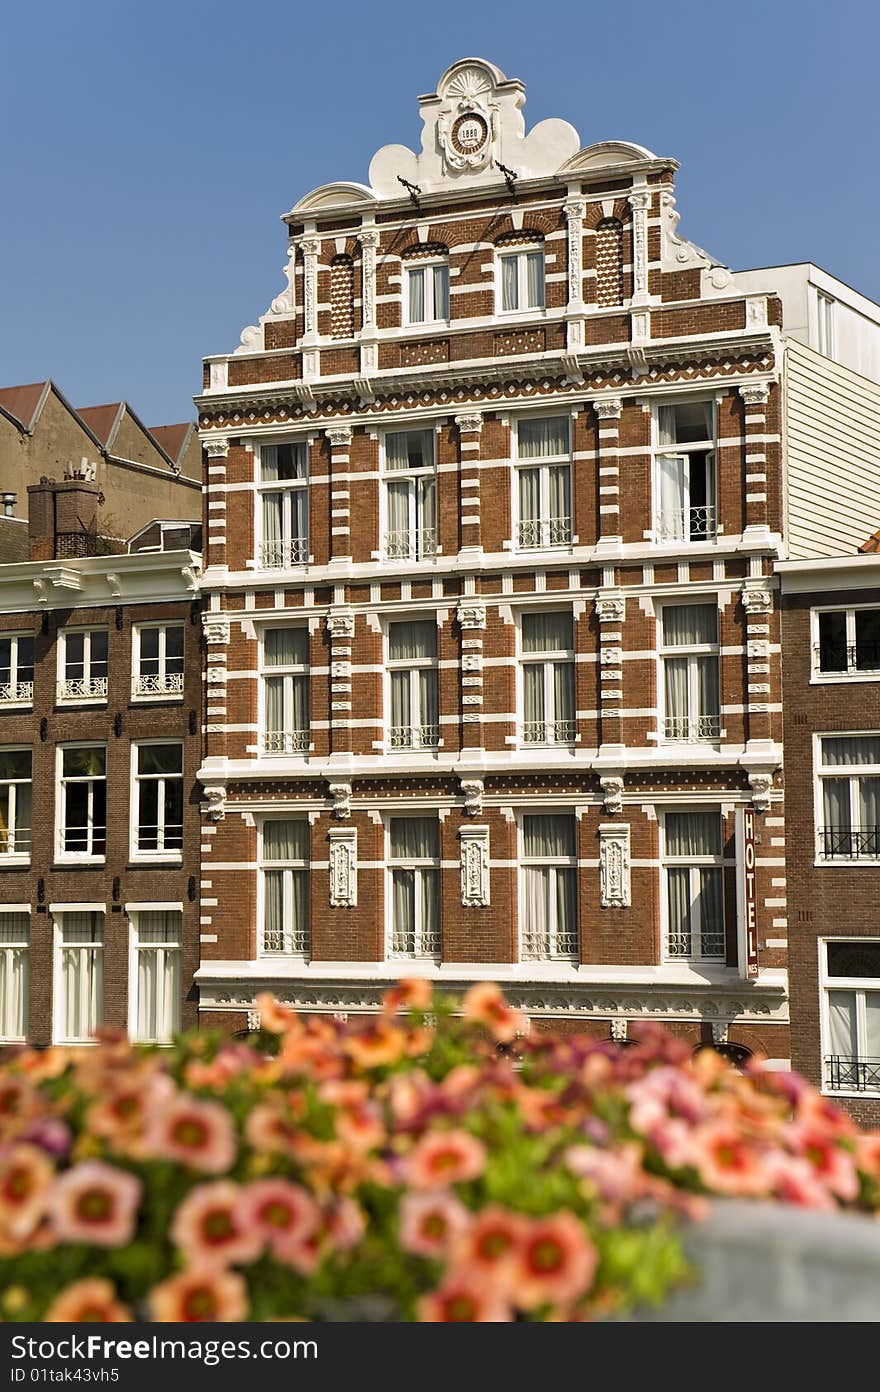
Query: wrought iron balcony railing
x=849, y=843
x=83, y=689
x=155, y=838
x=286, y=742
x=543, y=947
x=16, y=693
x=411, y=544
x=852, y=1074
x=414, y=737
x=275, y=555
x=158, y=684
x=15, y=841
x=549, y=731
x=541, y=532
x=694, y=729
x=687, y=524
x=846, y=659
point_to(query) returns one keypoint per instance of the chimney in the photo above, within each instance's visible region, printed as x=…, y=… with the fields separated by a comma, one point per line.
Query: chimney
x=63, y=517
x=8, y=500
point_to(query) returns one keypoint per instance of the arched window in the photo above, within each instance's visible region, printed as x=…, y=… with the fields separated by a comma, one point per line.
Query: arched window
x=520, y=272
x=342, y=297
x=426, y=284
x=609, y=262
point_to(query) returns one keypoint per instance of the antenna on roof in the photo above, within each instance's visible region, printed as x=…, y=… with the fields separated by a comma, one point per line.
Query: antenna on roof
x=510, y=177
x=412, y=189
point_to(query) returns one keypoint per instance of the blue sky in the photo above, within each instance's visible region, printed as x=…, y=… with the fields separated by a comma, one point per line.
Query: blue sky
x=149, y=149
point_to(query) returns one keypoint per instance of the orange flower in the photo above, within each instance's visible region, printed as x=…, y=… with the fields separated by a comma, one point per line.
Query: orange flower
x=868, y=1153
x=25, y=1179
x=212, y=1226
x=277, y=1019
x=429, y=1223
x=200, y=1296
x=96, y=1203
x=92, y=1300
x=726, y=1163
x=464, y=1298
x=485, y=1004
x=199, y=1134
x=121, y=1116
x=283, y=1214
x=833, y=1165
x=345, y=1225
x=268, y=1128
x=413, y=993
x=442, y=1158
x=377, y=1046
x=360, y=1126
x=554, y=1264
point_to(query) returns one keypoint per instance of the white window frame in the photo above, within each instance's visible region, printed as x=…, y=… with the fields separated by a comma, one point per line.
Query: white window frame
x=293, y=743
x=411, y=264
x=520, y=251
x=135, y=946
x=418, y=864
x=549, y=660
x=15, y=692
x=61, y=784
x=825, y=324
x=58, y=948
x=694, y=864
x=554, y=863
x=13, y=830
x=556, y=533
x=300, y=953
x=859, y=985
x=714, y=527
x=92, y=689
x=702, y=730
x=411, y=738
x=852, y=772
x=294, y=551
x=165, y=685
x=172, y=855
x=852, y=674
x=18, y=945
x=420, y=546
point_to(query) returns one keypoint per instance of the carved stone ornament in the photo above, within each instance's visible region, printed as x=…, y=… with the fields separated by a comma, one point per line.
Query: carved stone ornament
x=720, y=1032
x=611, y=607
x=343, y=867
x=575, y=210
x=467, y=126
x=761, y=785
x=311, y=246
x=757, y=596
x=608, y=407
x=471, y=615
x=339, y=436
x=474, y=866
x=640, y=203
x=217, y=447
x=612, y=793
x=619, y=1030
x=615, y=889
x=755, y=393
x=215, y=801
x=216, y=629
x=254, y=1020
x=216, y=676
x=340, y=624
x=472, y=789
x=341, y=795
x=470, y=424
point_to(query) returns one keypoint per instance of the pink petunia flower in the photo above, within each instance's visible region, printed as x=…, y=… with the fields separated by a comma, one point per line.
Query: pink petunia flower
x=464, y=1298
x=197, y=1296
x=283, y=1214
x=430, y=1223
x=213, y=1226
x=485, y=1004
x=90, y=1301
x=727, y=1163
x=441, y=1158
x=94, y=1203
x=834, y=1166
x=345, y=1224
x=793, y=1180
x=490, y=1245
x=555, y=1263
x=26, y=1176
x=198, y=1134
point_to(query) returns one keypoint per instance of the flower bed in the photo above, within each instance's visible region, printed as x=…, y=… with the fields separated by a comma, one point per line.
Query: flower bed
x=426, y=1164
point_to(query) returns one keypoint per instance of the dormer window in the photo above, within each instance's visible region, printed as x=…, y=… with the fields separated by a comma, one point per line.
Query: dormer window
x=521, y=274
x=427, y=290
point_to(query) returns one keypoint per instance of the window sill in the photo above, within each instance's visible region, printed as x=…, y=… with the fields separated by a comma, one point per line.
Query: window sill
x=79, y=859
x=844, y=863
x=843, y=678
x=66, y=702
x=170, y=698
x=868, y=1093
x=16, y=706
x=141, y=858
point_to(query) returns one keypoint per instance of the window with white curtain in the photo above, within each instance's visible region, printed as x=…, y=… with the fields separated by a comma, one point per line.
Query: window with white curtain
x=547, y=664
x=83, y=663
x=850, y=973
x=689, y=668
x=414, y=886
x=685, y=492
x=284, y=861
x=14, y=943
x=82, y=801
x=15, y=802
x=79, y=963
x=16, y=669
x=427, y=292
x=849, y=797
x=694, y=879
x=548, y=912
x=157, y=651
x=284, y=504
x=155, y=989
x=410, y=486
x=285, y=660
x=849, y=642
x=412, y=683
x=157, y=805
x=521, y=275
x=543, y=482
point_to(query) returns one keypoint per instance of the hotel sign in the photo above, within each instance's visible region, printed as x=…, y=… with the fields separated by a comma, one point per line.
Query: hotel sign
x=748, y=892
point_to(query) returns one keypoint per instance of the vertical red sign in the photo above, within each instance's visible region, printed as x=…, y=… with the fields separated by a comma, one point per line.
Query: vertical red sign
x=750, y=892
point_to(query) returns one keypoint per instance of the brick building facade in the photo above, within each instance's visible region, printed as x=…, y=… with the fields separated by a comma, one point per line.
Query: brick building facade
x=100, y=699
x=494, y=493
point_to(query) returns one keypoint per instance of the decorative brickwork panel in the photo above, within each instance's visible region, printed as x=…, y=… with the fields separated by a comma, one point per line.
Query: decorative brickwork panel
x=609, y=262
x=341, y=297
x=519, y=341
x=435, y=350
